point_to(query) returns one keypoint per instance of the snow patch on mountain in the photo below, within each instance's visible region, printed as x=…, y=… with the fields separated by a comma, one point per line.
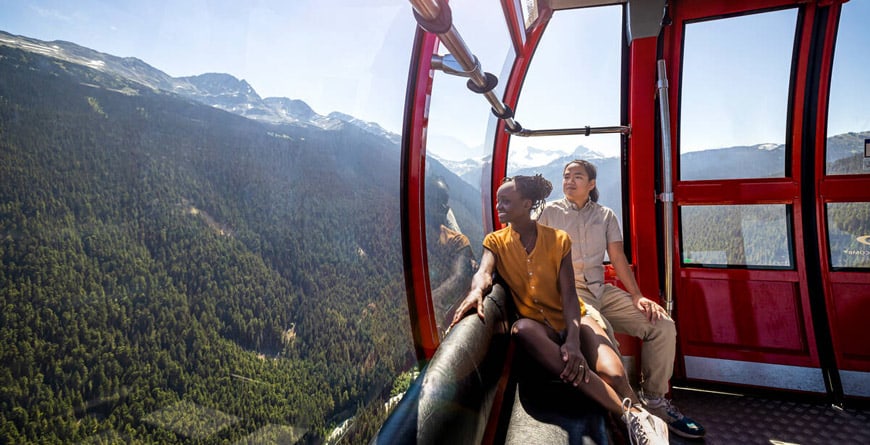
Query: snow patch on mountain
x=768, y=147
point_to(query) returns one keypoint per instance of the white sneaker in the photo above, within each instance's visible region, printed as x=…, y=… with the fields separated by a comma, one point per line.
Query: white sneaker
x=643, y=427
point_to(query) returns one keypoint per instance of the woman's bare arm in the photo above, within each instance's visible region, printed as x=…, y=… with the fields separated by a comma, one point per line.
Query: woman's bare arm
x=481, y=283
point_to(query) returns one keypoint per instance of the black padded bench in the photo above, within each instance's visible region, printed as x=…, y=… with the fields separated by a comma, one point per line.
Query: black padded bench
x=457, y=398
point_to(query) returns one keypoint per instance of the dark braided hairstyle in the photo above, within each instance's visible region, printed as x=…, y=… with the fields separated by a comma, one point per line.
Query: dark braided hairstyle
x=591, y=173
x=537, y=188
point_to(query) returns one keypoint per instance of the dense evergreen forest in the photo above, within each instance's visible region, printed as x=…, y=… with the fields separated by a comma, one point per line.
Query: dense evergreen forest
x=172, y=273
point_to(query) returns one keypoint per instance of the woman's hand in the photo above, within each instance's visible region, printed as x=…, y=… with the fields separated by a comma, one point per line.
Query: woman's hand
x=576, y=369
x=481, y=283
x=473, y=300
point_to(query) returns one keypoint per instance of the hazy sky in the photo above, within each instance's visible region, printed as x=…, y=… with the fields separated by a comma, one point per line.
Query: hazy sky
x=352, y=56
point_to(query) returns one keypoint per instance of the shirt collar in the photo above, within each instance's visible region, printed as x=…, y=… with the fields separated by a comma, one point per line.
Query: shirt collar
x=573, y=206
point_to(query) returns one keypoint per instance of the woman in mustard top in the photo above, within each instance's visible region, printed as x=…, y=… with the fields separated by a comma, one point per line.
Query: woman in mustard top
x=535, y=263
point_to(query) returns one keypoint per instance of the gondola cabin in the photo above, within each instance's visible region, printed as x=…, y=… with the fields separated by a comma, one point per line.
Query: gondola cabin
x=741, y=173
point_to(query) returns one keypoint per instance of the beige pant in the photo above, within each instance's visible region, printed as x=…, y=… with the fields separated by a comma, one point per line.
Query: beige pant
x=616, y=313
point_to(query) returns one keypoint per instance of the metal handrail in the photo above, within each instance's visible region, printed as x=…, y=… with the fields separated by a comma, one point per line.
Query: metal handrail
x=586, y=131
x=667, y=195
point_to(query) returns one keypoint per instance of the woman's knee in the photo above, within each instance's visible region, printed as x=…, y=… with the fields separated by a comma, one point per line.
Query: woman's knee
x=525, y=328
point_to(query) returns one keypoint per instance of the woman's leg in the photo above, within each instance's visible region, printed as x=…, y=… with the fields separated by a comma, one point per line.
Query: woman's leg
x=602, y=357
x=543, y=344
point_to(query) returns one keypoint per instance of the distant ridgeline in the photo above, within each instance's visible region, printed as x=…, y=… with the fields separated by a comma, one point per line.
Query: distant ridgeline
x=163, y=261
x=844, y=153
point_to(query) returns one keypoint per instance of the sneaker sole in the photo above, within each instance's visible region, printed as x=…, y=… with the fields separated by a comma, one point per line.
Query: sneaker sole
x=685, y=434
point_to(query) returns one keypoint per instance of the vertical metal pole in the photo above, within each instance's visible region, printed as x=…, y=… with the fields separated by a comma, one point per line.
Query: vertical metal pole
x=667, y=195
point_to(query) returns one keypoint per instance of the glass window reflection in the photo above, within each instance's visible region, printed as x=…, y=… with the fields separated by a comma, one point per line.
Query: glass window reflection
x=457, y=158
x=849, y=234
x=736, y=235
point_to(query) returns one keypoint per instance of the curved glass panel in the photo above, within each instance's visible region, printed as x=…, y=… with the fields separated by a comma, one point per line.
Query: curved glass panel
x=458, y=154
x=572, y=85
x=190, y=257
x=734, y=96
x=848, y=145
x=736, y=235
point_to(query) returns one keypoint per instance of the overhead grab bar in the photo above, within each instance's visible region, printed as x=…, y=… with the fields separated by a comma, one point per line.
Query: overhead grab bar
x=435, y=16
x=586, y=131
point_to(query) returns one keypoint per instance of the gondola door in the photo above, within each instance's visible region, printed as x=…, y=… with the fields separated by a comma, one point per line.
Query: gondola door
x=842, y=194
x=747, y=281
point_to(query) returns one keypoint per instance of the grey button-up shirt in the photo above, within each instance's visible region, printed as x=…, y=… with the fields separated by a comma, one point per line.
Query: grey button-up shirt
x=591, y=228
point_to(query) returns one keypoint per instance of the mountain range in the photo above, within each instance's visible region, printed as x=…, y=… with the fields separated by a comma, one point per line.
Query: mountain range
x=226, y=92
x=222, y=91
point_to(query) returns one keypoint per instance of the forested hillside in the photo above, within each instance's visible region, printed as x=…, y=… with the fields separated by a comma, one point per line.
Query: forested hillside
x=172, y=273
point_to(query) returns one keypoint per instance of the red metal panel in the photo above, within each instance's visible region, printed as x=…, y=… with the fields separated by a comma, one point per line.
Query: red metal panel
x=694, y=9
x=746, y=315
x=421, y=310
x=515, y=24
x=744, y=191
x=749, y=320
x=641, y=156
x=851, y=188
x=849, y=318
x=741, y=274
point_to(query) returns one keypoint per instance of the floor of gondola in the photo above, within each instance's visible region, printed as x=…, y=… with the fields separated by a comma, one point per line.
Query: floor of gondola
x=732, y=418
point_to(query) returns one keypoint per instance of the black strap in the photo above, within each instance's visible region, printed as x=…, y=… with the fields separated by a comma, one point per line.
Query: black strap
x=508, y=113
x=491, y=82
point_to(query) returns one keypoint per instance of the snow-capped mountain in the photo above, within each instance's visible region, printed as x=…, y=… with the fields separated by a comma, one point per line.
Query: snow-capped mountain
x=225, y=92
x=521, y=160
x=218, y=90
x=525, y=157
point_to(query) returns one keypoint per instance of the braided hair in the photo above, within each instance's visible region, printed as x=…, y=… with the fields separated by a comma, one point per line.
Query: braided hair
x=537, y=188
x=591, y=173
